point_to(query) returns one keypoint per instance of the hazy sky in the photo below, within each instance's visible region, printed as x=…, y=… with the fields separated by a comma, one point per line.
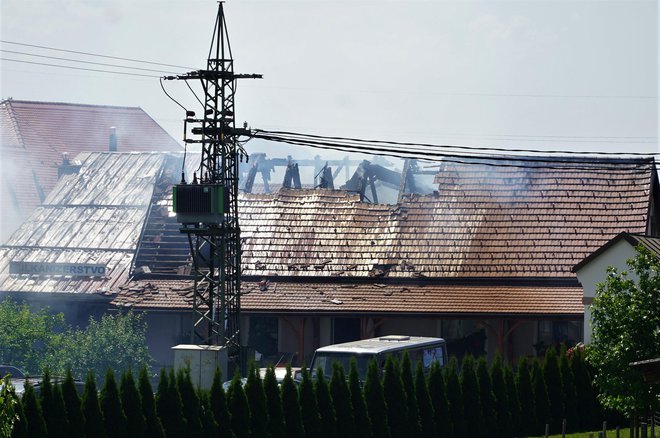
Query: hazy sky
x=574, y=75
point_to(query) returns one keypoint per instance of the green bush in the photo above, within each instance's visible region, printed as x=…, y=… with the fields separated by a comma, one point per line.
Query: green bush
x=218, y=402
x=362, y=422
x=326, y=408
x=254, y=391
x=114, y=419
x=474, y=421
x=153, y=426
x=132, y=405
x=455, y=400
x=526, y=399
x=92, y=409
x=395, y=398
x=291, y=407
x=424, y=405
x=411, y=397
x=238, y=407
x=375, y=399
x=274, y=405
x=308, y=405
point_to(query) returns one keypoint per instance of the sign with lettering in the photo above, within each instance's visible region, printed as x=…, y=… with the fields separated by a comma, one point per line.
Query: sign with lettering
x=70, y=269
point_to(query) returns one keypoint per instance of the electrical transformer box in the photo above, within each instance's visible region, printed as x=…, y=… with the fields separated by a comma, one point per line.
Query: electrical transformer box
x=199, y=203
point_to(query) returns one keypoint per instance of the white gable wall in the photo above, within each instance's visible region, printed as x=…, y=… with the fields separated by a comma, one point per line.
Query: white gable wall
x=595, y=272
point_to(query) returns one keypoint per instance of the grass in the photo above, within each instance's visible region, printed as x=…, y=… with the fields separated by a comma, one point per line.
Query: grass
x=623, y=433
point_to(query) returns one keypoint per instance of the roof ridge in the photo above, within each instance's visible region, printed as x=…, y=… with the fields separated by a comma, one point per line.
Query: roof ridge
x=38, y=102
x=14, y=122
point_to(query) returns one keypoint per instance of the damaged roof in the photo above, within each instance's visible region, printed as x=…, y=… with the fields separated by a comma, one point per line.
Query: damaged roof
x=93, y=218
x=34, y=135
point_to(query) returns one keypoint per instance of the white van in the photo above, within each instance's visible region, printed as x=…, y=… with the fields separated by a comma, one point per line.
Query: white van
x=422, y=349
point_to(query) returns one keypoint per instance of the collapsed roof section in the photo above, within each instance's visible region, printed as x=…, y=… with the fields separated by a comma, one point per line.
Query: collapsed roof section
x=90, y=224
x=482, y=222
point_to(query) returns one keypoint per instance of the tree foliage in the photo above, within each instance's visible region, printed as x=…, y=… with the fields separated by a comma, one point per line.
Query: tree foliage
x=309, y=407
x=92, y=409
x=626, y=328
x=424, y=405
x=29, y=338
x=362, y=421
x=8, y=407
x=474, y=424
x=503, y=426
x=553, y=382
x=375, y=399
x=116, y=341
x=73, y=407
x=541, y=403
x=254, y=391
x=238, y=407
x=114, y=419
x=153, y=426
x=454, y=398
x=411, y=397
x=341, y=400
x=525, y=398
x=274, y=404
x=395, y=397
x=291, y=407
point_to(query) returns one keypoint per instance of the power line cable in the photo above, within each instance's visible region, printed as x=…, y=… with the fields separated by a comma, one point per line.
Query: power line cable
x=474, y=149
x=78, y=68
x=496, y=161
x=95, y=54
x=84, y=62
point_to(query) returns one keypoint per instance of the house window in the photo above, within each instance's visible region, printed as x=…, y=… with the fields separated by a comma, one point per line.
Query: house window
x=263, y=337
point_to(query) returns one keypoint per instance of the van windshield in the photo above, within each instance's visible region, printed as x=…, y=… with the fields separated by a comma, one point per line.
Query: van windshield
x=325, y=361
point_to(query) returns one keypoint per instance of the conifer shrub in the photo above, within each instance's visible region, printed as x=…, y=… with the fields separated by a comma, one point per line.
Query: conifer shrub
x=239, y=410
x=209, y=426
x=51, y=406
x=36, y=426
x=503, y=427
x=153, y=426
x=474, y=421
x=395, y=398
x=360, y=415
x=424, y=405
x=541, y=402
x=114, y=419
x=189, y=403
x=341, y=400
x=92, y=409
x=130, y=401
x=569, y=395
x=73, y=407
x=254, y=391
x=454, y=399
x=326, y=408
x=274, y=405
x=526, y=398
x=588, y=408
x=442, y=411
x=375, y=399
x=169, y=406
x=487, y=398
x=411, y=398
x=553, y=382
x=308, y=405
x=19, y=428
x=512, y=398
x=291, y=407
x=218, y=401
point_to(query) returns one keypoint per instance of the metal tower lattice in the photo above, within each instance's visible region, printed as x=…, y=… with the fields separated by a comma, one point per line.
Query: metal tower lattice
x=207, y=207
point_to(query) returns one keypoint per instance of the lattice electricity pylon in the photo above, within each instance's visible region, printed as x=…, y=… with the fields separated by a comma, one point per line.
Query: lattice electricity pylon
x=208, y=206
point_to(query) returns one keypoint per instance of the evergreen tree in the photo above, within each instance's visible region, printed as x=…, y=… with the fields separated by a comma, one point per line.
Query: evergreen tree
x=553, y=382
x=169, y=406
x=218, y=400
x=487, y=398
x=20, y=427
x=291, y=407
x=585, y=394
x=130, y=401
x=375, y=399
x=409, y=389
x=424, y=404
x=309, y=407
x=442, y=421
x=341, y=400
x=52, y=406
x=503, y=427
x=209, y=426
x=324, y=401
x=526, y=399
x=73, y=407
x=361, y=417
x=541, y=402
x=254, y=391
x=395, y=398
x=474, y=424
x=153, y=426
x=36, y=426
x=114, y=419
x=189, y=403
x=454, y=399
x=568, y=385
x=238, y=407
x=274, y=405
x=58, y=403
x=512, y=397
x=91, y=409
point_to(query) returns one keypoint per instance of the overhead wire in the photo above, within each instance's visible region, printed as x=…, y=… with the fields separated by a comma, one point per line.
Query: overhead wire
x=78, y=68
x=95, y=54
x=84, y=62
x=493, y=161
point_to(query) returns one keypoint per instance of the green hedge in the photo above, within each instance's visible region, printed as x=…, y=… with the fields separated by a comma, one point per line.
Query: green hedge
x=480, y=400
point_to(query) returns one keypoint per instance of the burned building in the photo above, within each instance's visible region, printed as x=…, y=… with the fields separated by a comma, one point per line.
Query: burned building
x=39, y=141
x=484, y=261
